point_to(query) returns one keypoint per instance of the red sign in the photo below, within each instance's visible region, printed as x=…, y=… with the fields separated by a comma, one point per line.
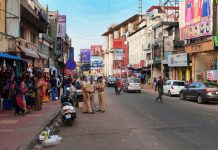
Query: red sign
x=68, y=72
x=142, y=63
x=96, y=50
x=118, y=43
x=126, y=55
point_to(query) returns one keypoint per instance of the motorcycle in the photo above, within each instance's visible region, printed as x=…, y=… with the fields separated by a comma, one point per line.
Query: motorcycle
x=68, y=108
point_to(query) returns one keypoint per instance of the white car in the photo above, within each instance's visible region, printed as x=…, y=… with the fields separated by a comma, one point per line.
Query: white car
x=133, y=84
x=173, y=87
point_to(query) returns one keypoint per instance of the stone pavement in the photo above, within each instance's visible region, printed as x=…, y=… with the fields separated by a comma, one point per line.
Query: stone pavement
x=19, y=132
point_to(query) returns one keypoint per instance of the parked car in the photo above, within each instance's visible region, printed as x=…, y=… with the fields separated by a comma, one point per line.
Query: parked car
x=173, y=87
x=202, y=92
x=133, y=84
x=110, y=81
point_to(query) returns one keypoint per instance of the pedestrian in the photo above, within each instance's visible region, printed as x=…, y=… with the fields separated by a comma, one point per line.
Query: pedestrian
x=53, y=82
x=100, y=88
x=91, y=93
x=59, y=84
x=116, y=86
x=159, y=88
x=86, y=100
x=155, y=82
x=38, y=92
x=190, y=81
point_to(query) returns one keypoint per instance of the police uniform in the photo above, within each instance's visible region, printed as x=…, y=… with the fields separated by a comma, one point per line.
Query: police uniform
x=86, y=101
x=101, y=97
x=91, y=91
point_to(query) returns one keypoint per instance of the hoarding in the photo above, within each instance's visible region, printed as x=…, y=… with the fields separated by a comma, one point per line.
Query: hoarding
x=61, y=26
x=178, y=60
x=85, y=55
x=118, y=54
x=212, y=75
x=118, y=43
x=96, y=62
x=96, y=50
x=71, y=53
x=196, y=18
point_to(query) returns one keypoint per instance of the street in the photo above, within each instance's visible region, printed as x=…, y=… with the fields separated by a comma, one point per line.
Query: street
x=135, y=121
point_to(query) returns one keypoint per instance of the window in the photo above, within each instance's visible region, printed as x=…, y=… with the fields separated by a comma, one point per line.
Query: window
x=176, y=83
x=22, y=32
x=32, y=38
x=134, y=80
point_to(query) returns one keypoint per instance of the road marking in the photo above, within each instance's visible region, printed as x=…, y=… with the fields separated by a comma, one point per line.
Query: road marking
x=8, y=121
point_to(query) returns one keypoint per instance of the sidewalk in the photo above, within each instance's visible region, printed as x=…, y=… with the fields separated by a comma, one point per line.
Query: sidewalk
x=18, y=132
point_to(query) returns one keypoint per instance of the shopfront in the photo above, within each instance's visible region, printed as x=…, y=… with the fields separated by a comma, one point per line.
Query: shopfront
x=179, y=67
x=204, y=59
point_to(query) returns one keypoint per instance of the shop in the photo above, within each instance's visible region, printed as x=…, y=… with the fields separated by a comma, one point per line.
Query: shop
x=179, y=67
x=10, y=67
x=204, y=58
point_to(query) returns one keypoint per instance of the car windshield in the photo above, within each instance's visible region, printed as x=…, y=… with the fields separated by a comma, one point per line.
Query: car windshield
x=112, y=79
x=211, y=85
x=134, y=80
x=177, y=83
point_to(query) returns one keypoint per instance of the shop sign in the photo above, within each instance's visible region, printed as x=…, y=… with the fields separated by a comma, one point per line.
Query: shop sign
x=96, y=50
x=118, y=54
x=61, y=26
x=200, y=47
x=118, y=43
x=212, y=75
x=196, y=18
x=178, y=60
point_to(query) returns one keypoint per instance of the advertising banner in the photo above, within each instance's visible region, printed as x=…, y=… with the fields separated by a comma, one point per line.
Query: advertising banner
x=61, y=26
x=60, y=46
x=212, y=75
x=85, y=55
x=196, y=18
x=118, y=43
x=96, y=50
x=118, y=54
x=168, y=44
x=96, y=62
x=71, y=53
x=178, y=60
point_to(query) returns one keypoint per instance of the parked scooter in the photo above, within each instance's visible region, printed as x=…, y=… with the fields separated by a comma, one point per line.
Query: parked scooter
x=68, y=110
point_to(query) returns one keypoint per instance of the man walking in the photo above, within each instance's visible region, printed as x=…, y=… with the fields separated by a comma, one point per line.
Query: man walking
x=59, y=84
x=86, y=100
x=53, y=82
x=100, y=89
x=159, y=88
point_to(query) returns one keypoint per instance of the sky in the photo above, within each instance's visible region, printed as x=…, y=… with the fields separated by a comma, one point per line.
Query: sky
x=87, y=20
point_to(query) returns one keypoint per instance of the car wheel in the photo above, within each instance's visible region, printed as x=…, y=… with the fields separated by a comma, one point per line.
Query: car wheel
x=200, y=99
x=169, y=94
x=182, y=96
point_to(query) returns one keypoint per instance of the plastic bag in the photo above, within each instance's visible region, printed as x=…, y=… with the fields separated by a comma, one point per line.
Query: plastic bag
x=52, y=141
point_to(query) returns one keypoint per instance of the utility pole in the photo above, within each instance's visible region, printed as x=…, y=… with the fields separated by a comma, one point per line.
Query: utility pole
x=140, y=7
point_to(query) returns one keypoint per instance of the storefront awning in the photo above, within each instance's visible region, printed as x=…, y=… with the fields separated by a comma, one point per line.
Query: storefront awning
x=29, y=52
x=42, y=56
x=8, y=56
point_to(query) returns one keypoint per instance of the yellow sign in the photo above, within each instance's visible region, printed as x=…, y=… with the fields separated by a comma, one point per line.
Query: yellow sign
x=200, y=47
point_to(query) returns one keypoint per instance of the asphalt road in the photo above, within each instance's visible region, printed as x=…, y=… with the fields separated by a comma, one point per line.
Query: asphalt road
x=135, y=121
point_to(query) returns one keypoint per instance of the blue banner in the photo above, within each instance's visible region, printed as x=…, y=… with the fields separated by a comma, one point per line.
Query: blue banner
x=85, y=55
x=71, y=53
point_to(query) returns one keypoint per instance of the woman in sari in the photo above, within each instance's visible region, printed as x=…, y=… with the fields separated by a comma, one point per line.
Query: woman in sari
x=44, y=90
x=38, y=92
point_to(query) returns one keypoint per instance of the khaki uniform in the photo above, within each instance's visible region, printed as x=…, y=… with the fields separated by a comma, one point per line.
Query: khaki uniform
x=101, y=97
x=86, y=100
x=91, y=91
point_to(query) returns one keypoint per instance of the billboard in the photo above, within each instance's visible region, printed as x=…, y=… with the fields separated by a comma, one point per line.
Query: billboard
x=118, y=54
x=96, y=62
x=61, y=26
x=96, y=50
x=196, y=18
x=85, y=55
x=178, y=60
x=118, y=43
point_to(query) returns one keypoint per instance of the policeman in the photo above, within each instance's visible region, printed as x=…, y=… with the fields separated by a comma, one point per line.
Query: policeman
x=100, y=88
x=91, y=91
x=86, y=100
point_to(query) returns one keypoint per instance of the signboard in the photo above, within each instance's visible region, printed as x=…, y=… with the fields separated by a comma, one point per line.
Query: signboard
x=118, y=54
x=71, y=65
x=60, y=46
x=178, y=60
x=200, y=47
x=71, y=53
x=68, y=72
x=85, y=55
x=212, y=75
x=168, y=44
x=61, y=26
x=196, y=18
x=118, y=43
x=96, y=62
x=96, y=50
